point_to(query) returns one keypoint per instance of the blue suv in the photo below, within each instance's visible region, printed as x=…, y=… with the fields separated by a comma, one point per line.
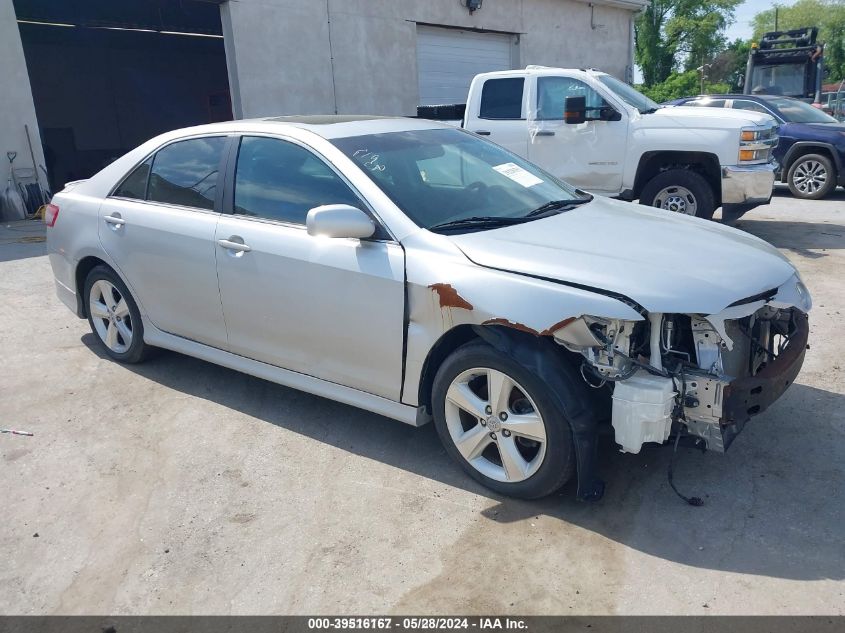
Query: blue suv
x=811, y=151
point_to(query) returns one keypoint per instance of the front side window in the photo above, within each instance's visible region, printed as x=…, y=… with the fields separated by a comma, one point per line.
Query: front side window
x=445, y=175
x=185, y=173
x=552, y=93
x=744, y=104
x=282, y=181
x=502, y=98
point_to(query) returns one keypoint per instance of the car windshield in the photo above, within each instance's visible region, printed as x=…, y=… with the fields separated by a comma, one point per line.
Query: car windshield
x=796, y=111
x=628, y=94
x=448, y=175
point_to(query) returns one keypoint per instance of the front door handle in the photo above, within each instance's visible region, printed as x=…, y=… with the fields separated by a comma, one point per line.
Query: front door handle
x=239, y=247
x=483, y=132
x=545, y=133
x=114, y=220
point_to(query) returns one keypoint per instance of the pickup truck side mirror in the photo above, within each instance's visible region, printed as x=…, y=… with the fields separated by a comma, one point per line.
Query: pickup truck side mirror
x=575, y=110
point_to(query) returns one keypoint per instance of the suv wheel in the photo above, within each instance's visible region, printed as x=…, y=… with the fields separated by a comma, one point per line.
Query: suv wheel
x=681, y=191
x=499, y=421
x=811, y=177
x=114, y=317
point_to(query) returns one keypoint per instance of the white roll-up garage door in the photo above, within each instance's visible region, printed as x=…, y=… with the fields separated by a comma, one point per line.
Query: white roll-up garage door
x=448, y=59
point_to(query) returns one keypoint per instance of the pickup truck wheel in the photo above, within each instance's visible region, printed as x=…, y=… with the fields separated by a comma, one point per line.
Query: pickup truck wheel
x=498, y=420
x=811, y=177
x=114, y=317
x=682, y=191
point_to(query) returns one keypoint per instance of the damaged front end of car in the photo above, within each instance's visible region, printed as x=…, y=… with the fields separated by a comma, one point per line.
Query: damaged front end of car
x=697, y=375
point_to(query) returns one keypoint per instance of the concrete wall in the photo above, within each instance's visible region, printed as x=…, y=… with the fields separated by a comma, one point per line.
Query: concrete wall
x=16, y=105
x=359, y=56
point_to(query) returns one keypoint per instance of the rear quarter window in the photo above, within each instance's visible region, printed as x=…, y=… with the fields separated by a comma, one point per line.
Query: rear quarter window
x=134, y=186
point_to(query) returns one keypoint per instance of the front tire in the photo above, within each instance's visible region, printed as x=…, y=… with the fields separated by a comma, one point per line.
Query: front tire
x=114, y=316
x=811, y=177
x=681, y=191
x=500, y=422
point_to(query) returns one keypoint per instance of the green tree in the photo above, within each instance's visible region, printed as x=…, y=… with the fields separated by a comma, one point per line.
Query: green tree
x=683, y=84
x=828, y=15
x=686, y=34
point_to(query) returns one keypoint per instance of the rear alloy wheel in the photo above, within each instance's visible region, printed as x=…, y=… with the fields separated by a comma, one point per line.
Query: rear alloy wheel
x=811, y=177
x=114, y=317
x=680, y=191
x=500, y=422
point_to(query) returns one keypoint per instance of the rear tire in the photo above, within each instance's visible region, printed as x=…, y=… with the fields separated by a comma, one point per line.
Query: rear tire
x=114, y=316
x=811, y=177
x=533, y=454
x=681, y=191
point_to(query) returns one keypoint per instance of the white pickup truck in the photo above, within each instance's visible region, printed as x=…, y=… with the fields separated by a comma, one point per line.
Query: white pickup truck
x=598, y=133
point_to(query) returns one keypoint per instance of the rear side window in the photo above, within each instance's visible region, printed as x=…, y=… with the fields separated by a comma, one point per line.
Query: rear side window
x=185, y=173
x=502, y=98
x=278, y=180
x=706, y=103
x=135, y=184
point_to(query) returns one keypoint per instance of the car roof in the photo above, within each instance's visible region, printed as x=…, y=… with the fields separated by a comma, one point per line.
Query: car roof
x=328, y=126
x=739, y=96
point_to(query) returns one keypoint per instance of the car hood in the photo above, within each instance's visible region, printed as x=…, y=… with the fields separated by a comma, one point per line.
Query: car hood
x=664, y=261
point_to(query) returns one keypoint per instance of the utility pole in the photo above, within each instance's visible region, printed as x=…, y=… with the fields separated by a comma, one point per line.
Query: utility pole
x=776, y=17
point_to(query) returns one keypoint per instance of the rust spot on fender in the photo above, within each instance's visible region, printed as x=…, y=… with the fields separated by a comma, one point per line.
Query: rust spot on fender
x=512, y=324
x=554, y=328
x=449, y=297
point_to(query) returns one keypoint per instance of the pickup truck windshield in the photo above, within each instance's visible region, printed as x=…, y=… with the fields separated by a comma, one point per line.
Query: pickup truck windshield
x=442, y=176
x=628, y=94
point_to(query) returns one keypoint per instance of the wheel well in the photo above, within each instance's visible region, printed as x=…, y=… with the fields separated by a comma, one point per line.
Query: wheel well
x=803, y=150
x=652, y=163
x=461, y=335
x=85, y=265
x=439, y=352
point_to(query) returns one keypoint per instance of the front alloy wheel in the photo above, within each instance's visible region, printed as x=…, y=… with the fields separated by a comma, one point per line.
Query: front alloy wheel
x=811, y=177
x=495, y=425
x=504, y=423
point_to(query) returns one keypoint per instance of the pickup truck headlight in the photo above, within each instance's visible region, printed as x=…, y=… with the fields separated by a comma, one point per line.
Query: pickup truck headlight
x=755, y=144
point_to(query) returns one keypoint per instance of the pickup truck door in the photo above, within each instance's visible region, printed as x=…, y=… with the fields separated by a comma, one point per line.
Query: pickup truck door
x=589, y=155
x=500, y=114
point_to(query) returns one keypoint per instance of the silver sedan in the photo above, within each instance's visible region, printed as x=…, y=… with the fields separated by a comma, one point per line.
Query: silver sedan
x=421, y=272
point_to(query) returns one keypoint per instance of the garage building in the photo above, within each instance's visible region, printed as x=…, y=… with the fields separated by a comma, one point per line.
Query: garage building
x=93, y=79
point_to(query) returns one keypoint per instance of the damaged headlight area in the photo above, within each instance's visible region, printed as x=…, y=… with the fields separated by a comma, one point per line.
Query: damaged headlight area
x=703, y=375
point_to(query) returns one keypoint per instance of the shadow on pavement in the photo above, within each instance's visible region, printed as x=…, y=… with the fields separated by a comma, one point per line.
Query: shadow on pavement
x=22, y=239
x=774, y=504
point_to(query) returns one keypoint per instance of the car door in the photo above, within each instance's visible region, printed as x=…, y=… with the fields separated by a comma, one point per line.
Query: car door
x=158, y=229
x=330, y=308
x=589, y=155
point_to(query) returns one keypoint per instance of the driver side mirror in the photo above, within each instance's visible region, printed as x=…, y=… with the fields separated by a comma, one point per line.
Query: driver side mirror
x=575, y=110
x=339, y=220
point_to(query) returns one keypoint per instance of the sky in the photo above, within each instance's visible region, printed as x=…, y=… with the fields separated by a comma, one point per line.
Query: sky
x=743, y=16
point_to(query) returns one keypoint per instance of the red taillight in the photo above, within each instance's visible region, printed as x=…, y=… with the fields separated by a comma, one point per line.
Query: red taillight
x=51, y=214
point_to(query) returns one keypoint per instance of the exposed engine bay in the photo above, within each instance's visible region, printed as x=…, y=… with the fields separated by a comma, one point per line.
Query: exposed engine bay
x=700, y=375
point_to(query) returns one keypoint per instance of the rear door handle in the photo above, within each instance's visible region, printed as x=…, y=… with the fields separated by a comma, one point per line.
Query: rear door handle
x=113, y=219
x=234, y=246
x=545, y=133
x=483, y=132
